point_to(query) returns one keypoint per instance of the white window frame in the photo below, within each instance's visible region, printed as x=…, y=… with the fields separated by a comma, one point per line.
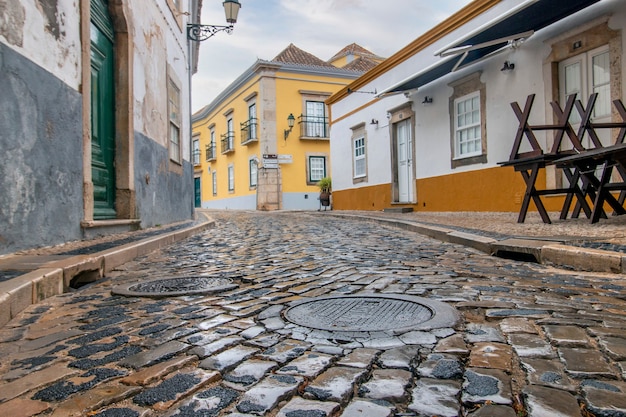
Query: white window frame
x=231, y=178
x=196, y=151
x=312, y=169
x=174, y=126
x=214, y=183
x=467, y=127
x=359, y=155
x=252, y=121
x=253, y=172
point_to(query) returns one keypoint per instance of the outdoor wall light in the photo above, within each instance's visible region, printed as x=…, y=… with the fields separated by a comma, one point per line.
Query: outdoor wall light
x=508, y=66
x=374, y=122
x=427, y=100
x=290, y=121
x=197, y=32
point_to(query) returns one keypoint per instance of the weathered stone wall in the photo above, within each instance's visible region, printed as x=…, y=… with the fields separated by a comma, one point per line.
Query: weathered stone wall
x=41, y=143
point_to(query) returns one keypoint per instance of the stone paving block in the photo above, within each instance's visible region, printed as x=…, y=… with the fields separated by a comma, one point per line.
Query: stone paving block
x=309, y=365
x=570, y=336
x=418, y=338
x=47, y=340
x=517, y=325
x=208, y=403
x=152, y=373
x=586, y=363
x=34, y=380
x=216, y=321
x=359, y=358
x=435, y=397
x=252, y=332
x=614, y=346
x=5, y=308
x=229, y=358
x=204, y=338
x=486, y=385
x=166, y=393
x=273, y=323
x=452, y=344
x=490, y=410
x=301, y=407
x=98, y=397
x=548, y=372
x=534, y=313
x=404, y=357
x=441, y=366
x=543, y=401
x=285, y=351
x=22, y=407
x=530, y=346
x=605, y=398
x=360, y=408
x=476, y=332
x=215, y=347
x=336, y=384
x=62, y=389
x=265, y=340
x=248, y=373
x=265, y=395
x=387, y=385
x=154, y=355
x=491, y=355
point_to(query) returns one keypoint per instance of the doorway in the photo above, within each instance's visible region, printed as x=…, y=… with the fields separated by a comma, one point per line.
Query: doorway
x=403, y=149
x=102, y=111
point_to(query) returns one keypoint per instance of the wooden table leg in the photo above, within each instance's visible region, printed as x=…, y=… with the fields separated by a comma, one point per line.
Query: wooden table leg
x=531, y=192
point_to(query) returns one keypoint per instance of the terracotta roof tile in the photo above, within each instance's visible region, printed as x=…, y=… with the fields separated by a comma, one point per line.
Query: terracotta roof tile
x=294, y=55
x=355, y=49
x=361, y=64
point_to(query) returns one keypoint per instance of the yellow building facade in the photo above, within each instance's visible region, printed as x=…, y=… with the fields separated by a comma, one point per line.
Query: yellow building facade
x=263, y=143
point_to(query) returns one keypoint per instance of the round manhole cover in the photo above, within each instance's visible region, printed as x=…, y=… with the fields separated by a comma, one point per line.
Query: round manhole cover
x=175, y=286
x=370, y=313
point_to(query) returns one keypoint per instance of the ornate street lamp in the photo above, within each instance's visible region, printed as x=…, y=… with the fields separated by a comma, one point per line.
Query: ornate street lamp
x=197, y=32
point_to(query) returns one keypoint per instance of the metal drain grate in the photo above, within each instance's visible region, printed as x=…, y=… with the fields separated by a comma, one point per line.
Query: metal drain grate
x=370, y=313
x=175, y=286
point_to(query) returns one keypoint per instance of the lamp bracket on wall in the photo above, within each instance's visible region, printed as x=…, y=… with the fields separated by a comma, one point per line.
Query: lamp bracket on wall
x=350, y=91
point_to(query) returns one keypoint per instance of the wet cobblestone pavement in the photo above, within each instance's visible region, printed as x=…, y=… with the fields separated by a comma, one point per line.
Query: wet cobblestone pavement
x=530, y=340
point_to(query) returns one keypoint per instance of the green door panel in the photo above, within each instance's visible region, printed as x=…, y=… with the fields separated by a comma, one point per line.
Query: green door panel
x=102, y=112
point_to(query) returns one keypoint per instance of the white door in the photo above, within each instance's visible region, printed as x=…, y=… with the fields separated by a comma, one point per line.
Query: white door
x=405, y=162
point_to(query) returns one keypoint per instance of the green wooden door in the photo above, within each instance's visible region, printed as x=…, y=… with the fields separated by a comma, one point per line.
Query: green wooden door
x=102, y=111
x=197, y=192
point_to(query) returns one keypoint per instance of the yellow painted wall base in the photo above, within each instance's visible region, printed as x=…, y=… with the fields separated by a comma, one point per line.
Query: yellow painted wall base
x=491, y=189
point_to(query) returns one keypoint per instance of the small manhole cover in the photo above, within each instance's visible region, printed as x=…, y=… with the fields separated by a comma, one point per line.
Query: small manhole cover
x=370, y=313
x=176, y=286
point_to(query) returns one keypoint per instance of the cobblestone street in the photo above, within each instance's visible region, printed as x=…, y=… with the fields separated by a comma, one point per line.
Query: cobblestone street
x=524, y=339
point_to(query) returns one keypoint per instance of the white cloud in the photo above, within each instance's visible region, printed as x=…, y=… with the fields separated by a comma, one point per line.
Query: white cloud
x=322, y=27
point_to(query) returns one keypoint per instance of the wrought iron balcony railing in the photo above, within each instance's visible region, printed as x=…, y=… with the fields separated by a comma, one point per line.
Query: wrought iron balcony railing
x=249, y=131
x=210, y=152
x=228, y=142
x=313, y=127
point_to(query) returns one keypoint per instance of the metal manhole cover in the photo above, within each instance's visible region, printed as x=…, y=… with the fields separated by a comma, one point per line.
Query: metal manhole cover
x=370, y=313
x=175, y=286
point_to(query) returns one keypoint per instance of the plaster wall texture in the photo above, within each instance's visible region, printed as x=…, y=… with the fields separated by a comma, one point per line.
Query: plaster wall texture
x=41, y=141
x=164, y=193
x=47, y=33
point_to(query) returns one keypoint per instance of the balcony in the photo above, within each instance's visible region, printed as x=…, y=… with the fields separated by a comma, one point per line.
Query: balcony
x=210, y=152
x=228, y=142
x=313, y=127
x=249, y=131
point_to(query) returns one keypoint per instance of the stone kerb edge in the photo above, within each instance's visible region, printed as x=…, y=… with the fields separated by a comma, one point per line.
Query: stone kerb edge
x=583, y=258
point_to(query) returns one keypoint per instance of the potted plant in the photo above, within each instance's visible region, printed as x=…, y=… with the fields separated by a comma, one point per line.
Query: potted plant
x=325, y=185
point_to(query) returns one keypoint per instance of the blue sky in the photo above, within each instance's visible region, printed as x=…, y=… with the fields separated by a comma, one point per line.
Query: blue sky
x=322, y=27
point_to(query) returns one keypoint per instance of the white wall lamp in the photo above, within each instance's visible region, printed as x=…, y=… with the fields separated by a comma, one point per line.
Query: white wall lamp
x=290, y=122
x=198, y=33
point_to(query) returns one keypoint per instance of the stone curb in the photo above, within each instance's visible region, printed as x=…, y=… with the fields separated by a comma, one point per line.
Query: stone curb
x=544, y=252
x=25, y=290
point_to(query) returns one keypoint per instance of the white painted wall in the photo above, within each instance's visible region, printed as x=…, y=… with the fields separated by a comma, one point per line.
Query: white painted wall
x=26, y=28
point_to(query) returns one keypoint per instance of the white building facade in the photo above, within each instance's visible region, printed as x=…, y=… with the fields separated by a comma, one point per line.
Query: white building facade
x=440, y=122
